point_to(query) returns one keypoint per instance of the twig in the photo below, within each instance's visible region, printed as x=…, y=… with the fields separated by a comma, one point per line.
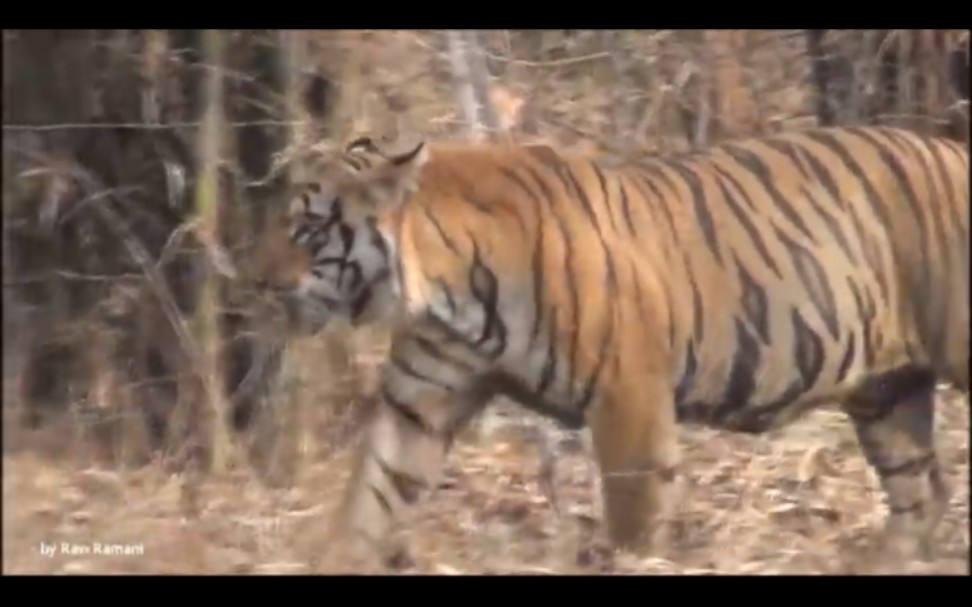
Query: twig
x=143, y=259
x=144, y=125
x=553, y=62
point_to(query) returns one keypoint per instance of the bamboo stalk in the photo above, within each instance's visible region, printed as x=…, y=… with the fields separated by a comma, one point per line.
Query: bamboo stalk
x=207, y=204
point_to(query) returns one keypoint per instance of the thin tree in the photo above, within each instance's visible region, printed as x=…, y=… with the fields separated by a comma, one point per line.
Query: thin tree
x=207, y=204
x=471, y=79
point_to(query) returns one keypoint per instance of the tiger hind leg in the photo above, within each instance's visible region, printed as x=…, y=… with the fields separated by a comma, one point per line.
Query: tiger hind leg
x=893, y=416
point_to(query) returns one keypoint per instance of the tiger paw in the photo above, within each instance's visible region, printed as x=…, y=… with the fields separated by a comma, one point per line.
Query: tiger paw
x=359, y=554
x=352, y=554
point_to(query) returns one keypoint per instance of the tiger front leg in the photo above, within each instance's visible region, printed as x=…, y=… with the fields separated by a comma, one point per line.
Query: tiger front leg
x=399, y=460
x=636, y=444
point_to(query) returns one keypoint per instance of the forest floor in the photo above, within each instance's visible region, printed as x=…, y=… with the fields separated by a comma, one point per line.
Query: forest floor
x=801, y=501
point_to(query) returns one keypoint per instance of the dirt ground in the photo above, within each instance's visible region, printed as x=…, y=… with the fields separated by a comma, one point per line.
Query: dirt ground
x=802, y=501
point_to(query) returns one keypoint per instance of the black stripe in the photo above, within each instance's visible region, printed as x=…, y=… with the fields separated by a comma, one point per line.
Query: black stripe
x=663, y=201
x=566, y=174
x=786, y=149
x=954, y=225
x=301, y=232
x=343, y=265
x=955, y=221
x=914, y=508
x=918, y=465
x=821, y=172
x=921, y=280
x=642, y=184
x=872, y=256
x=360, y=303
x=408, y=486
x=541, y=180
x=539, y=284
x=382, y=500
x=514, y=177
x=702, y=213
x=470, y=194
x=698, y=319
x=935, y=321
x=865, y=314
x=687, y=375
x=905, y=187
x=607, y=341
x=449, y=243
x=815, y=280
x=626, y=208
x=796, y=155
x=433, y=351
x=639, y=302
x=377, y=240
x=484, y=287
x=754, y=302
x=825, y=178
x=757, y=421
x=537, y=260
x=606, y=201
x=447, y=293
x=808, y=350
x=755, y=164
x=747, y=224
x=550, y=363
x=832, y=223
x=539, y=250
x=399, y=269
x=672, y=316
x=848, y=358
x=448, y=333
x=408, y=369
x=406, y=411
x=742, y=382
x=573, y=294
x=514, y=210
x=850, y=163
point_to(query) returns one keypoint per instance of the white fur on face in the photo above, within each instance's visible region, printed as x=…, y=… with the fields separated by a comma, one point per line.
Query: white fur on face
x=350, y=270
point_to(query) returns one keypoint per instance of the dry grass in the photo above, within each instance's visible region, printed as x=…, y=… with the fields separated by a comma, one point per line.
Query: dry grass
x=803, y=501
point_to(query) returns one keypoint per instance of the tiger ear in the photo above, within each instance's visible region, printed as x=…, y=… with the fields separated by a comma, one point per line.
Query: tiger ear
x=401, y=173
x=412, y=159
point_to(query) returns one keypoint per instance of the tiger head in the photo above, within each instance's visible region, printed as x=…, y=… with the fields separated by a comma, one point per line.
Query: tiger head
x=325, y=256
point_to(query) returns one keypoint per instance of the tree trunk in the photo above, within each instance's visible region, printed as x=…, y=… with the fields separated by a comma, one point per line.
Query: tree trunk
x=471, y=84
x=734, y=113
x=821, y=77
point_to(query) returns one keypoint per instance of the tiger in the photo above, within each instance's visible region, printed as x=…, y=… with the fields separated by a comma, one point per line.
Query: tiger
x=737, y=287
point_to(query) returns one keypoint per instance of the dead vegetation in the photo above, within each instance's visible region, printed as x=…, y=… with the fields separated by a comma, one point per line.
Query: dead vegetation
x=800, y=501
